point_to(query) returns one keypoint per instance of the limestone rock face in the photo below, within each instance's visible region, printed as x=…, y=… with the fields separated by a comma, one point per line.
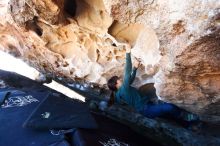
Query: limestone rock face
x=177, y=42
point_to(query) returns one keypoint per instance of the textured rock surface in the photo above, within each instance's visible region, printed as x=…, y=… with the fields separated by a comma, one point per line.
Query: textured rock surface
x=76, y=43
x=177, y=42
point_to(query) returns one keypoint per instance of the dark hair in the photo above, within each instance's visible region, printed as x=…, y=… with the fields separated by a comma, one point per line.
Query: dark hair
x=112, y=83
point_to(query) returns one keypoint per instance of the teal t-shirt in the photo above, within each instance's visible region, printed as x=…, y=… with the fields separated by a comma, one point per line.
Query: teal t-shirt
x=128, y=94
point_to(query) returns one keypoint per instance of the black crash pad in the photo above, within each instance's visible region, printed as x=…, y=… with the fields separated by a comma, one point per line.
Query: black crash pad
x=109, y=133
x=60, y=112
x=19, y=106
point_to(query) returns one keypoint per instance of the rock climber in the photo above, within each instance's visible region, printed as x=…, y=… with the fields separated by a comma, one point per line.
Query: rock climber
x=126, y=94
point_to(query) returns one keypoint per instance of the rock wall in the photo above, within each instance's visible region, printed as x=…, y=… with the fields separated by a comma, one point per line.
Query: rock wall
x=177, y=42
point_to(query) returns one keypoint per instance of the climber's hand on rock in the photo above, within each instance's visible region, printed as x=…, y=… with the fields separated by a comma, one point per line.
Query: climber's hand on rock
x=137, y=63
x=128, y=48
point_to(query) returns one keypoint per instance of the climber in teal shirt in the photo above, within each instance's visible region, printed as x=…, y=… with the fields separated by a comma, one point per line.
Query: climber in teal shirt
x=126, y=94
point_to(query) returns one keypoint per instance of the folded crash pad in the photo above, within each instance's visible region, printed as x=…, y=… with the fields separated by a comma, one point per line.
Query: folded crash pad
x=14, y=111
x=109, y=133
x=60, y=112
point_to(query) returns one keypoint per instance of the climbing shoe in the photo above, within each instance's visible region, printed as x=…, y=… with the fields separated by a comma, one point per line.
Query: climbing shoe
x=189, y=117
